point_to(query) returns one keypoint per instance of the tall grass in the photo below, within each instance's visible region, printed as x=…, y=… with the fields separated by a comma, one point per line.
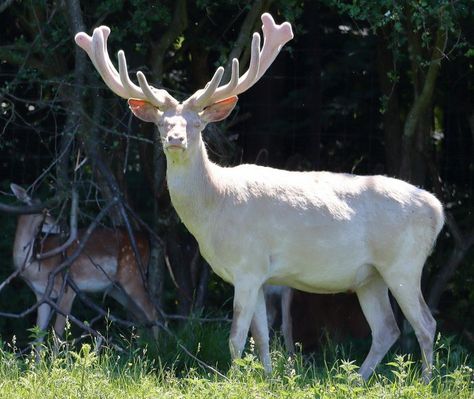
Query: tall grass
x=133, y=370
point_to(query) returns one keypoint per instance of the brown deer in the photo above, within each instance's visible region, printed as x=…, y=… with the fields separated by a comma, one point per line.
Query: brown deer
x=106, y=264
x=319, y=232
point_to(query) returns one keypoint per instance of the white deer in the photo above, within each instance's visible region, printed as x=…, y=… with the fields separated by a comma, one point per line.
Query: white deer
x=319, y=232
x=106, y=264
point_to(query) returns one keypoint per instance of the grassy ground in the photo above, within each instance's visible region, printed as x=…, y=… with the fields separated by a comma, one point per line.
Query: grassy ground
x=134, y=372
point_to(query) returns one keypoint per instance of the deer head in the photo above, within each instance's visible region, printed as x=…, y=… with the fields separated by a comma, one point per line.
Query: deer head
x=180, y=123
x=41, y=221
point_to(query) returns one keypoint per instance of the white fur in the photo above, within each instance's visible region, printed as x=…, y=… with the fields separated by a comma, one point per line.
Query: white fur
x=319, y=232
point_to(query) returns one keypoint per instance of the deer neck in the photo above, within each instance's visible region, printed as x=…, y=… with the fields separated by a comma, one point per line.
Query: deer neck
x=194, y=188
x=26, y=230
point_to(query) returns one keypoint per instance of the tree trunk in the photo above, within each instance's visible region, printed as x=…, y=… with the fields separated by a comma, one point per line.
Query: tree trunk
x=420, y=107
x=91, y=142
x=156, y=176
x=392, y=124
x=245, y=33
x=74, y=98
x=199, y=67
x=178, y=24
x=311, y=148
x=157, y=265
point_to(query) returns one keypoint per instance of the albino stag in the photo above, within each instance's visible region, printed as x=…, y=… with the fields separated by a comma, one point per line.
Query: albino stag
x=315, y=231
x=106, y=264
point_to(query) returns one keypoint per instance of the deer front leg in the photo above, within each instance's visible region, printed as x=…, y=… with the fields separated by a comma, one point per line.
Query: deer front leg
x=42, y=315
x=259, y=329
x=245, y=300
x=42, y=319
x=64, y=303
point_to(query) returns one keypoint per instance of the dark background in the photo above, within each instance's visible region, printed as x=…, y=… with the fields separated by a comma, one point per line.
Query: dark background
x=339, y=97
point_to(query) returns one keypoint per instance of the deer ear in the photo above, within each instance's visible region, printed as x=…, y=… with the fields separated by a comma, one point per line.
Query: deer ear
x=21, y=194
x=143, y=110
x=219, y=110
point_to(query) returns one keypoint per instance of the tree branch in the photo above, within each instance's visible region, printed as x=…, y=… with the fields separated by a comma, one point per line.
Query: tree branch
x=72, y=230
x=30, y=209
x=421, y=103
x=178, y=24
x=5, y=5
x=245, y=33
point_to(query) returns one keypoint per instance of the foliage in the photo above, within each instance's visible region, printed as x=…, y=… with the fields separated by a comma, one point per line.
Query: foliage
x=90, y=372
x=423, y=14
x=411, y=23
x=277, y=118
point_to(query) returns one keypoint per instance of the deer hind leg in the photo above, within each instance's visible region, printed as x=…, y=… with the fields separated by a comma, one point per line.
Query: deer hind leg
x=410, y=299
x=133, y=295
x=272, y=304
x=375, y=304
x=286, y=319
x=259, y=330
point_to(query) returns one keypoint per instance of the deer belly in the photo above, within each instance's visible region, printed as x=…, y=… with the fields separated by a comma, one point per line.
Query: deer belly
x=95, y=274
x=320, y=267
x=317, y=257
x=325, y=281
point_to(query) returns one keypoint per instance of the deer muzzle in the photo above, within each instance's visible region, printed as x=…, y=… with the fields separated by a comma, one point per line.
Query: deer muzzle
x=175, y=142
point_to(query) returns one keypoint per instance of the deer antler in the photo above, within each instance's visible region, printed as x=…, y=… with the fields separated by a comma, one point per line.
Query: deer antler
x=119, y=82
x=275, y=36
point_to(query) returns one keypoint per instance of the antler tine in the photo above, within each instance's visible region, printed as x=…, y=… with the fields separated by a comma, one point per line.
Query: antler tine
x=132, y=89
x=234, y=77
x=249, y=77
x=203, y=97
x=84, y=41
x=212, y=93
x=158, y=97
x=233, y=81
x=275, y=36
x=104, y=66
x=106, y=33
x=119, y=82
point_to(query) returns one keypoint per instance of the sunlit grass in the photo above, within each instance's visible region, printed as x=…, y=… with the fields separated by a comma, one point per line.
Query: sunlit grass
x=134, y=371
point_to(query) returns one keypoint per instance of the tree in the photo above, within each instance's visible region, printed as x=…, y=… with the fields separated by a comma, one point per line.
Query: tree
x=414, y=38
x=363, y=88
x=83, y=130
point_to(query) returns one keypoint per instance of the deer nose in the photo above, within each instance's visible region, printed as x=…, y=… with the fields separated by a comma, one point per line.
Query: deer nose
x=177, y=140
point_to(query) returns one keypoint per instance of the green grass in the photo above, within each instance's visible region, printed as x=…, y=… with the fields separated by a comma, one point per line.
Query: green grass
x=133, y=371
